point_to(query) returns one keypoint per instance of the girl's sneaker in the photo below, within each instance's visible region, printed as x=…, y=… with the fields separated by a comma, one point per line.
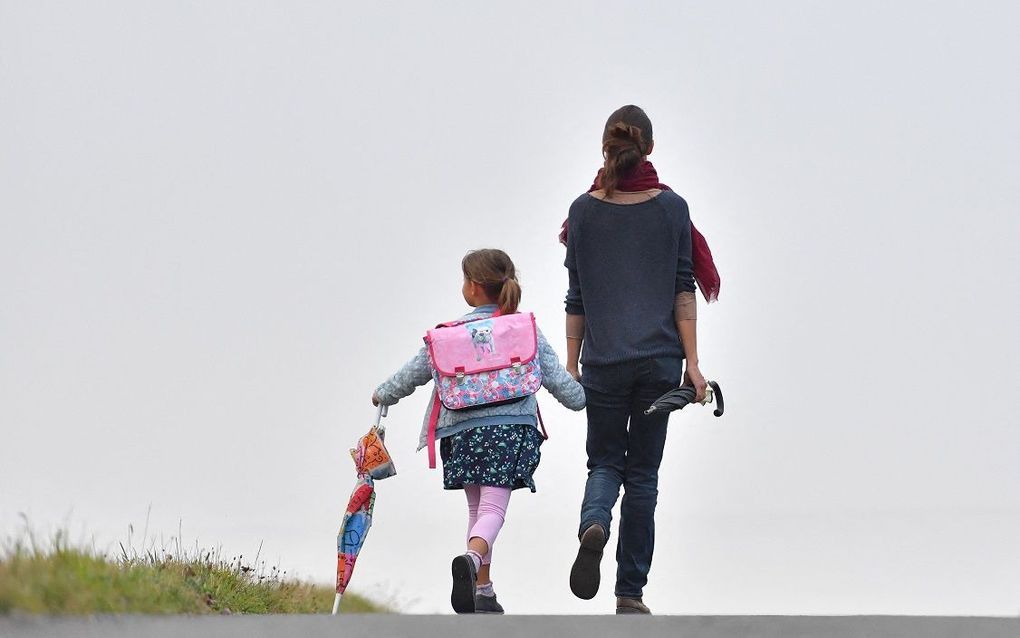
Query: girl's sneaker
x=462, y=597
x=487, y=604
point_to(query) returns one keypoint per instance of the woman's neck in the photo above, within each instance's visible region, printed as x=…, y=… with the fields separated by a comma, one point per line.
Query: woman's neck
x=626, y=197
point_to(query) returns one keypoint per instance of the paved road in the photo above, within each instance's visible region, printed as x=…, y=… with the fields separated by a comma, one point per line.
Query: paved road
x=393, y=626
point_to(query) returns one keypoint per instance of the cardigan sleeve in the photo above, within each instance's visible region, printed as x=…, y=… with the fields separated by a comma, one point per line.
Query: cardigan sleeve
x=556, y=379
x=416, y=372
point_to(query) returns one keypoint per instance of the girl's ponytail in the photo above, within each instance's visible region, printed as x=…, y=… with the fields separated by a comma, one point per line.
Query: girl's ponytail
x=509, y=296
x=495, y=272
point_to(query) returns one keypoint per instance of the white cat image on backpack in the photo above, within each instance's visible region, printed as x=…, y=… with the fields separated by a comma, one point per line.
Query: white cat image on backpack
x=481, y=339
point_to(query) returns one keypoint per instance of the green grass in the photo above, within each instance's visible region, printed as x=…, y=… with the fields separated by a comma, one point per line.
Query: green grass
x=62, y=579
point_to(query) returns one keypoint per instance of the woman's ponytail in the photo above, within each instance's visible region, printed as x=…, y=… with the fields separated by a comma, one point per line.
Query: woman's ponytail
x=626, y=140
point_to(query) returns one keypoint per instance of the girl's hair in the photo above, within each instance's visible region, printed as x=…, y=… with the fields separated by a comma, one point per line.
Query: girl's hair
x=493, y=270
x=627, y=138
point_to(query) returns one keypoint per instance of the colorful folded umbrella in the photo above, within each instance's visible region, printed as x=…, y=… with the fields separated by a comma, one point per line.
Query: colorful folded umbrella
x=373, y=462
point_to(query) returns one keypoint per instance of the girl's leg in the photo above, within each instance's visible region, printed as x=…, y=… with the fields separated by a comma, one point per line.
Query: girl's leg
x=473, y=493
x=492, y=505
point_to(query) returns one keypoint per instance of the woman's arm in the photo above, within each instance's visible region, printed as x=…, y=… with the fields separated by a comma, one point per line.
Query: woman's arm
x=685, y=314
x=685, y=307
x=575, y=310
x=416, y=372
x=575, y=337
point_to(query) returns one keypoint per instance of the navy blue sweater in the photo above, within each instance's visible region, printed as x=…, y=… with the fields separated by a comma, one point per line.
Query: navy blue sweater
x=626, y=264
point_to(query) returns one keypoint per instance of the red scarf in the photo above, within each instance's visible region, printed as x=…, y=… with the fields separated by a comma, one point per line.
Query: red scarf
x=642, y=178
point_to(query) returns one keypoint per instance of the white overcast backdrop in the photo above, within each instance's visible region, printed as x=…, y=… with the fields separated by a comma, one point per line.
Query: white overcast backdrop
x=222, y=224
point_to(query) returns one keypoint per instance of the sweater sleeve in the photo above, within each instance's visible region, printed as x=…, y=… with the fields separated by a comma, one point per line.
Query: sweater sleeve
x=685, y=261
x=574, y=301
x=556, y=379
x=416, y=372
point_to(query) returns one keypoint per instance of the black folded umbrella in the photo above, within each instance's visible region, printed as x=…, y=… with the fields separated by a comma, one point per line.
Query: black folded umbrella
x=678, y=398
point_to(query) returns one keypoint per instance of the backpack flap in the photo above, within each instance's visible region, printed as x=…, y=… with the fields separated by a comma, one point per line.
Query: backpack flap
x=486, y=360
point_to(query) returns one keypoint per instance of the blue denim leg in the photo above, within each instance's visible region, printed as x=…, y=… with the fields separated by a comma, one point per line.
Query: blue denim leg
x=625, y=449
x=646, y=440
x=608, y=401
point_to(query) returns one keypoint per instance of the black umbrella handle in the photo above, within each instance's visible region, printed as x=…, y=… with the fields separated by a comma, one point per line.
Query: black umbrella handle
x=718, y=398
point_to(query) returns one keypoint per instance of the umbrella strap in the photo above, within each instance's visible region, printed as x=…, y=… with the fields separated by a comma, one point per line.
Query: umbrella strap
x=433, y=422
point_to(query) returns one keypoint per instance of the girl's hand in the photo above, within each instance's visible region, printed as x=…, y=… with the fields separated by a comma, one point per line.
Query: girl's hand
x=375, y=399
x=572, y=371
x=694, y=377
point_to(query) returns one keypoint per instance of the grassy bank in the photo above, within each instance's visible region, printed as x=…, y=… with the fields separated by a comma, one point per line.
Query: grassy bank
x=62, y=579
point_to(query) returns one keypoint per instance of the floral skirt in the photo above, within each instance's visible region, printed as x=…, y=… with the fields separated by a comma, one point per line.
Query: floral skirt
x=494, y=455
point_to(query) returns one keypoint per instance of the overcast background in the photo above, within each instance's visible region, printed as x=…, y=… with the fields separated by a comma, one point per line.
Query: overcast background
x=222, y=224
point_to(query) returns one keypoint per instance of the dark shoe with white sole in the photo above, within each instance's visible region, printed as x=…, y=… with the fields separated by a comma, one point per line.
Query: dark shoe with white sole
x=487, y=604
x=462, y=597
x=584, y=575
x=631, y=606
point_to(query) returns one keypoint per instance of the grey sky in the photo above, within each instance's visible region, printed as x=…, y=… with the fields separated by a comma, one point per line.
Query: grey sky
x=222, y=224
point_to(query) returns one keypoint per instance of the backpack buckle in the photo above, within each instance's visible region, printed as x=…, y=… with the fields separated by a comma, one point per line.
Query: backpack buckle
x=460, y=373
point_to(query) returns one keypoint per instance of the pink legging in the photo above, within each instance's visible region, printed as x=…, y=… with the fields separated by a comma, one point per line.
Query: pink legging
x=486, y=513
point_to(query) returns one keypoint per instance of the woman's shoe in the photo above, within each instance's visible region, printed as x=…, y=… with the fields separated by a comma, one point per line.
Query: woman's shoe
x=462, y=597
x=584, y=575
x=487, y=604
x=631, y=606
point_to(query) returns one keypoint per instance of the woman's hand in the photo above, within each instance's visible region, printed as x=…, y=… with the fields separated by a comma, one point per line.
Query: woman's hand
x=572, y=371
x=694, y=377
x=375, y=399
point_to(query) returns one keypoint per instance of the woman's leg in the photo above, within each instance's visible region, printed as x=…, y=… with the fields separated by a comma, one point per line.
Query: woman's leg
x=607, y=391
x=647, y=438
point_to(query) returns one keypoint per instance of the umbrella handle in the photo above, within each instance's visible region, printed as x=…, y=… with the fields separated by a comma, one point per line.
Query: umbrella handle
x=379, y=414
x=336, y=604
x=718, y=398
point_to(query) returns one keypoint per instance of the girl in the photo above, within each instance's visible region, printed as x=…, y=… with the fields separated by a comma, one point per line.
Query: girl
x=490, y=450
x=631, y=303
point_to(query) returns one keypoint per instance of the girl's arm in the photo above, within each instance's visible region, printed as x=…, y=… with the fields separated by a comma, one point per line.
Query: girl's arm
x=414, y=373
x=556, y=379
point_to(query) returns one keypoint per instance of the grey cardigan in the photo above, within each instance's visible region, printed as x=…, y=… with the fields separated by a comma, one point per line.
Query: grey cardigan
x=418, y=371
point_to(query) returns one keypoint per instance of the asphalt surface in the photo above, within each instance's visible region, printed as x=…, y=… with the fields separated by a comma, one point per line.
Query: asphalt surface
x=387, y=626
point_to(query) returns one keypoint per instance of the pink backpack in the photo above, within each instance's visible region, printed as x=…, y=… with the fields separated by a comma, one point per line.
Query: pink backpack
x=482, y=362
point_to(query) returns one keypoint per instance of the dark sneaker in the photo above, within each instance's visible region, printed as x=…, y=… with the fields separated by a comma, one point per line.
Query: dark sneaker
x=487, y=604
x=464, y=575
x=584, y=575
x=631, y=606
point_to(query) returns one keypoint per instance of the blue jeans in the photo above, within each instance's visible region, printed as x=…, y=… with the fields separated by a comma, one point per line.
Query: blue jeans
x=625, y=449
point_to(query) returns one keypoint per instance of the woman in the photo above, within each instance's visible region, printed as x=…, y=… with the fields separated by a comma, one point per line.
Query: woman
x=631, y=304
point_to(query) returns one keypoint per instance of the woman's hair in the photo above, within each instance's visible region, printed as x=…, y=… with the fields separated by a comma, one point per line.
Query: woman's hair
x=627, y=138
x=495, y=272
